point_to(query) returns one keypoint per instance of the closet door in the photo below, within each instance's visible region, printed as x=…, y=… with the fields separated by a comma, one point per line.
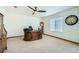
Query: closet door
x=1, y=31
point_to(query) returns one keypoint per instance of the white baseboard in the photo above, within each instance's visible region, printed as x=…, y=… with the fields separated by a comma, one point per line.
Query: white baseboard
x=15, y=36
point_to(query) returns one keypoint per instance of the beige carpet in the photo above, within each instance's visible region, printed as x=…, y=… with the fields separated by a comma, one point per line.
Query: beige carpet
x=45, y=45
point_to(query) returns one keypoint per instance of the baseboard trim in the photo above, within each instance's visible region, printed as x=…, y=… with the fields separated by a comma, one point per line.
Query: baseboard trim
x=60, y=38
x=15, y=36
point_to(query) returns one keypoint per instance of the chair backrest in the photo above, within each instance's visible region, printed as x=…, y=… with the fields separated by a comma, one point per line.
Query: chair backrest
x=30, y=28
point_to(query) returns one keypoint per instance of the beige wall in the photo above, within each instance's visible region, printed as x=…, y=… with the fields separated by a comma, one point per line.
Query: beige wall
x=69, y=32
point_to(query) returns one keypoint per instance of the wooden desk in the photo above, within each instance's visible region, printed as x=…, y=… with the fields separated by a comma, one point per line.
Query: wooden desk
x=32, y=35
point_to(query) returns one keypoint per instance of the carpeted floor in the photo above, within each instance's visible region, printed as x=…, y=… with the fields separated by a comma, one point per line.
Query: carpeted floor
x=45, y=45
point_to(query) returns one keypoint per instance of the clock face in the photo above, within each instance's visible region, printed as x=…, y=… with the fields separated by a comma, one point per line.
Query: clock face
x=71, y=20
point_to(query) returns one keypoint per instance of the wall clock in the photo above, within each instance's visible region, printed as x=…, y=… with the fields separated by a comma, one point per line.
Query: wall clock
x=71, y=20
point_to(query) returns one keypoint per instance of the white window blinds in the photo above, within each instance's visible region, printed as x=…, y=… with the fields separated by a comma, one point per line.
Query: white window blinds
x=56, y=24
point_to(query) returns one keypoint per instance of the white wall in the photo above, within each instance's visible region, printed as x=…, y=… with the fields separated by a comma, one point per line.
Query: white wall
x=14, y=23
x=69, y=32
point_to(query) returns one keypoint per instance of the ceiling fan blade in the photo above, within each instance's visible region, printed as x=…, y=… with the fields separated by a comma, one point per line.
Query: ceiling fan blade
x=41, y=11
x=33, y=13
x=31, y=8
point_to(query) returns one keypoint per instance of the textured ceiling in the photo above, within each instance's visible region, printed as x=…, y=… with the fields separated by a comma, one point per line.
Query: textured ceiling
x=24, y=10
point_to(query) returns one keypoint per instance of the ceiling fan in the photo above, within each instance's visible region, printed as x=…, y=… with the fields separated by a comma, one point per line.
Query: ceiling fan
x=35, y=9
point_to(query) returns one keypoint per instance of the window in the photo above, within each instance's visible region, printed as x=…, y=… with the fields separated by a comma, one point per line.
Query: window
x=56, y=24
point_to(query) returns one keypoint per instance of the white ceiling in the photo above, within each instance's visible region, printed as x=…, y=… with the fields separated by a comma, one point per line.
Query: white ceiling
x=24, y=10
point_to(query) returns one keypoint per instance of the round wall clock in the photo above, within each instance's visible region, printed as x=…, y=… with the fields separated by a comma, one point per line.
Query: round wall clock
x=71, y=20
